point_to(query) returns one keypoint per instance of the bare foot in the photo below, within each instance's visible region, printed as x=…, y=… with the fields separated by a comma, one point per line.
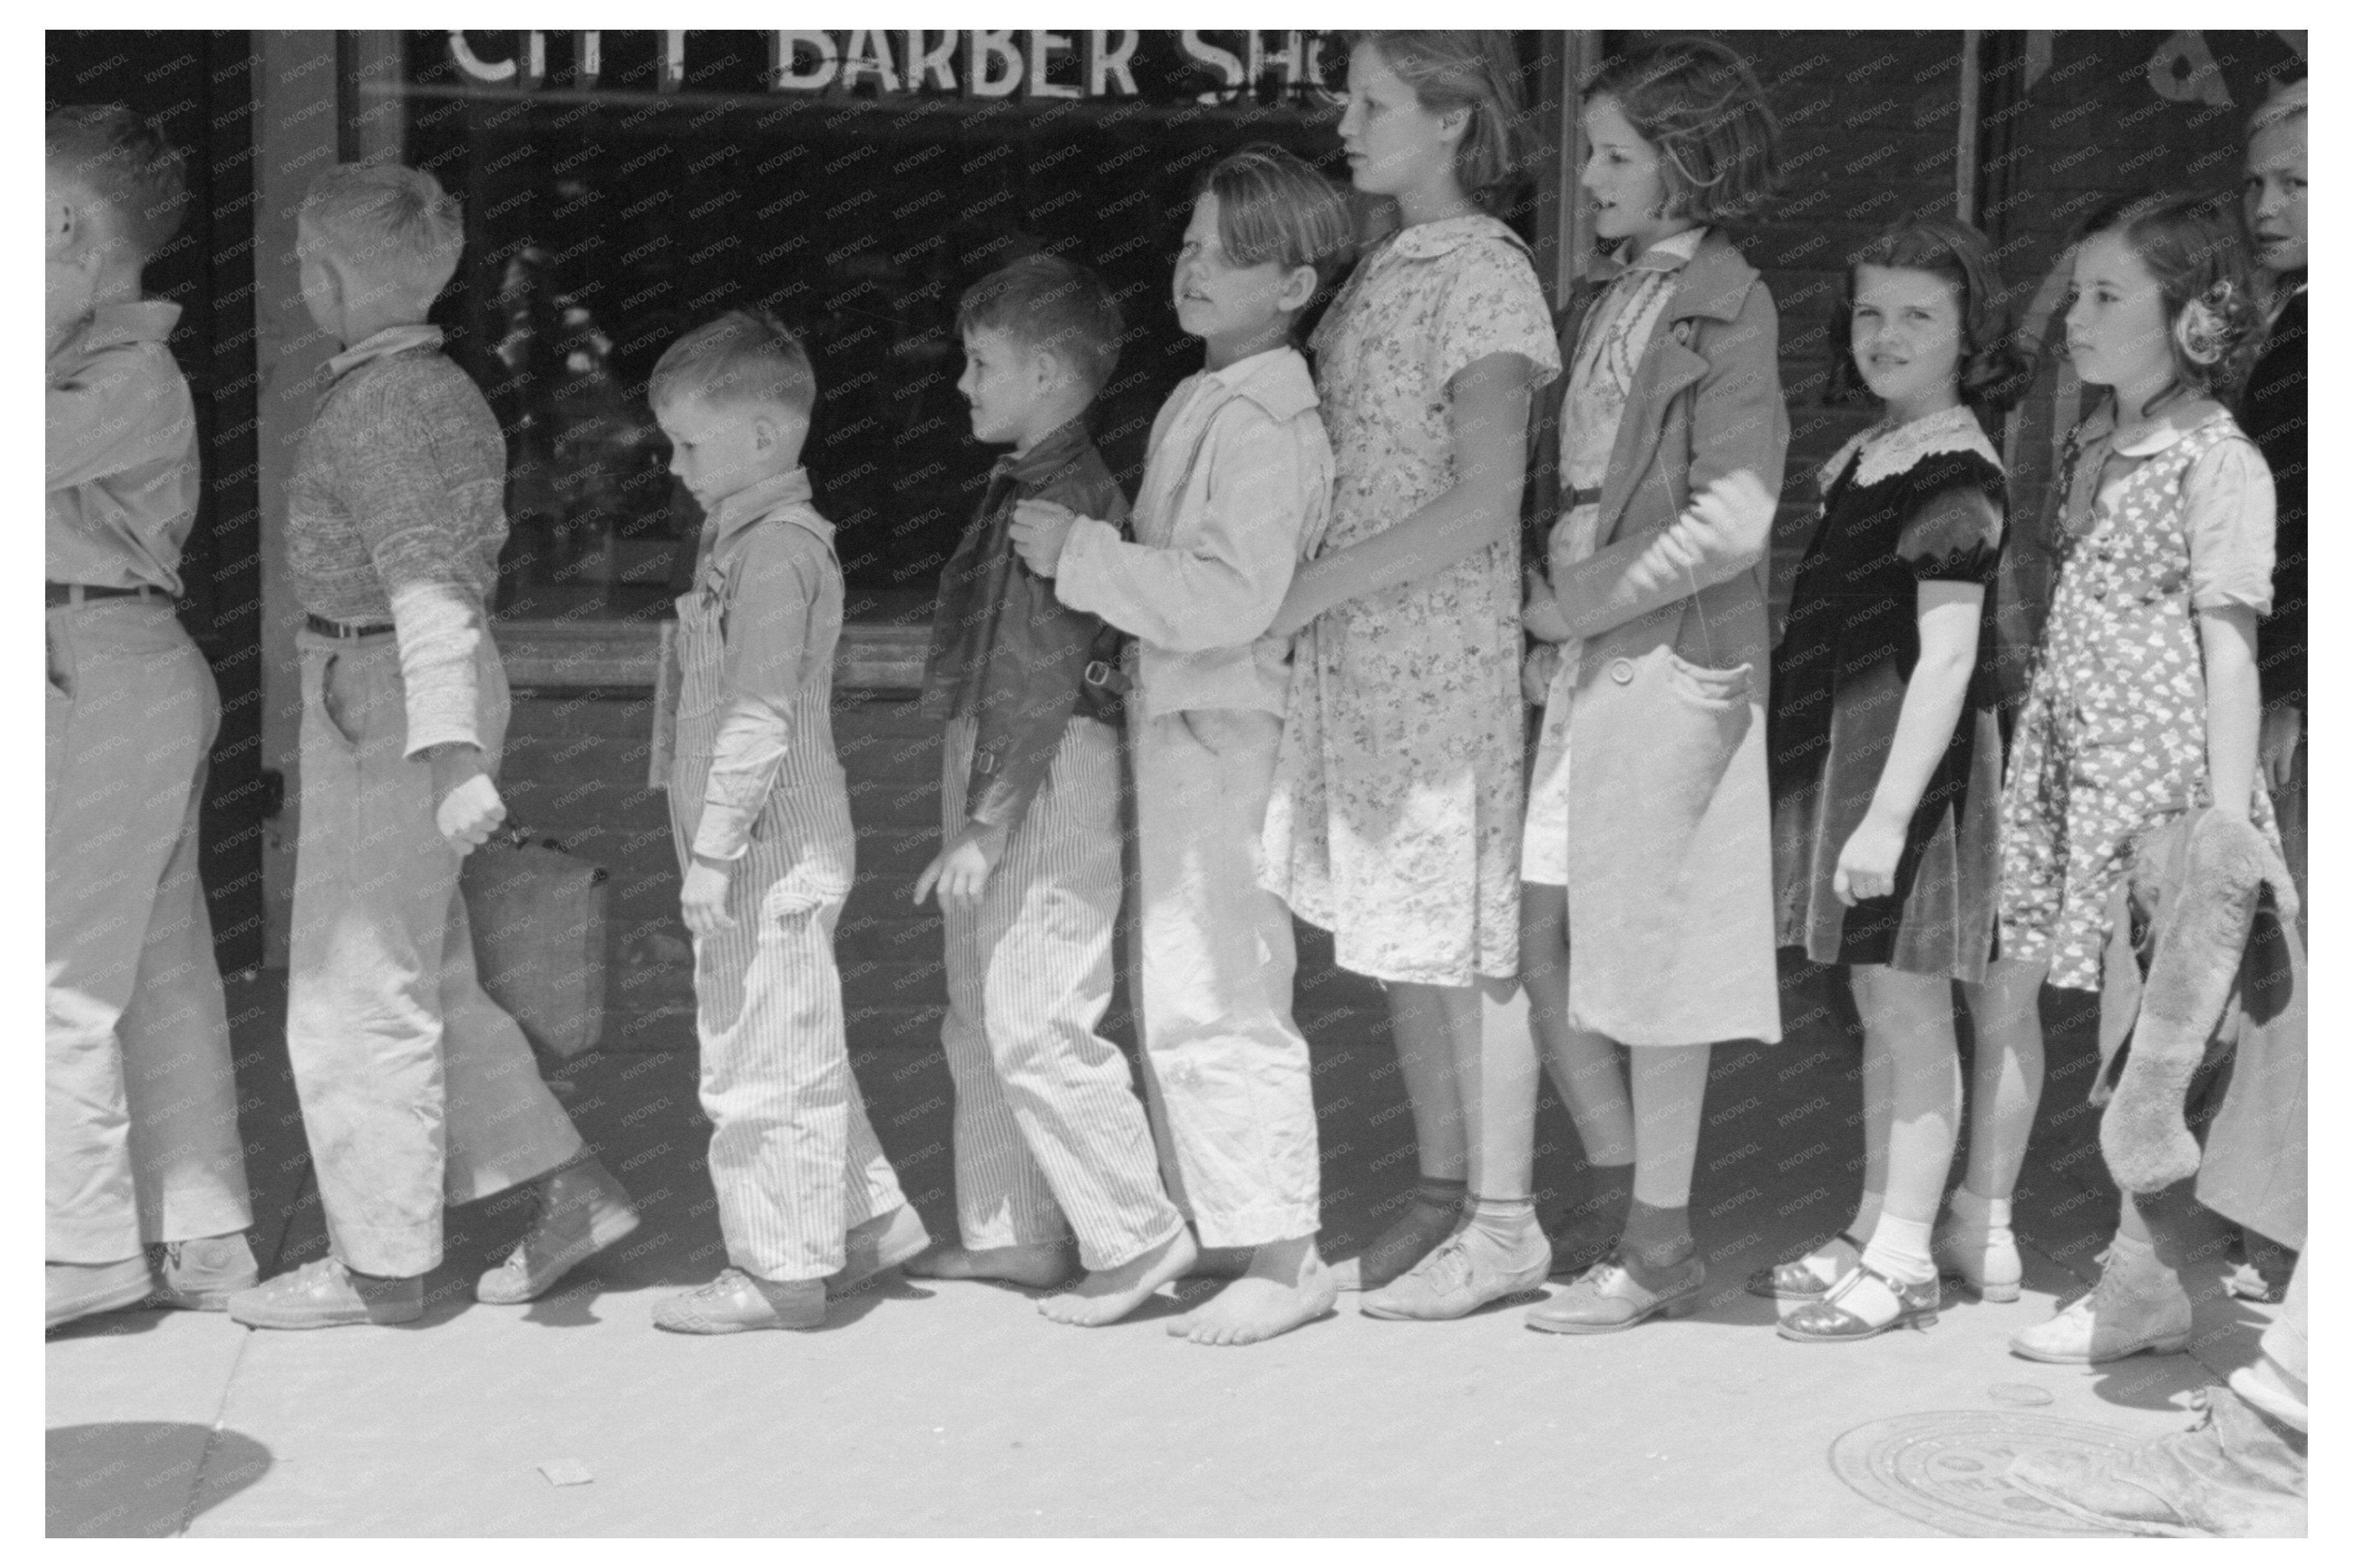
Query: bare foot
x=1408, y=1239
x=1220, y=1263
x=1107, y=1295
x=1287, y=1285
x=1039, y=1267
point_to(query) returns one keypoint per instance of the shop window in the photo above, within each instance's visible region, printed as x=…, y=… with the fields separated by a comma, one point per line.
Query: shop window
x=621, y=187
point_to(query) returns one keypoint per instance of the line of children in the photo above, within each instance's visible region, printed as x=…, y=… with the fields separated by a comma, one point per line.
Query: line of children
x=1681, y=818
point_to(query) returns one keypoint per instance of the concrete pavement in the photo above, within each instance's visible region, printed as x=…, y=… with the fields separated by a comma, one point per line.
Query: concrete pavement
x=953, y=1409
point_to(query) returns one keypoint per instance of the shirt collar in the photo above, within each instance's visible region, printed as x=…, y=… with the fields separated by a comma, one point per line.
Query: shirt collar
x=1667, y=255
x=391, y=341
x=763, y=499
x=2171, y=427
x=123, y=321
x=1421, y=241
x=1276, y=379
x=1049, y=456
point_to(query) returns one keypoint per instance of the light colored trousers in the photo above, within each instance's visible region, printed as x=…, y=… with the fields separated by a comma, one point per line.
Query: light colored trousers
x=793, y=1159
x=1050, y=1139
x=141, y=1101
x=1233, y=1096
x=416, y=1089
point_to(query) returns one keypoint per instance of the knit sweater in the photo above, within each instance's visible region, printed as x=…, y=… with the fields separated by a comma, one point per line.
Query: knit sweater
x=395, y=512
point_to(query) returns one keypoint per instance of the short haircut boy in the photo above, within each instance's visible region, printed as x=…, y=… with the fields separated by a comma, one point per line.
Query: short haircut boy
x=1702, y=105
x=1044, y=302
x=120, y=158
x=1273, y=206
x=390, y=223
x=743, y=357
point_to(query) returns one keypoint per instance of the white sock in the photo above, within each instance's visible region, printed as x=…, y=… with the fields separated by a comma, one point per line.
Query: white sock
x=1899, y=1249
x=1977, y=1213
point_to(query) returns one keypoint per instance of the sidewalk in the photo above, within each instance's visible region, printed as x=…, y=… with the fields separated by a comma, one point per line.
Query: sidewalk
x=955, y=1409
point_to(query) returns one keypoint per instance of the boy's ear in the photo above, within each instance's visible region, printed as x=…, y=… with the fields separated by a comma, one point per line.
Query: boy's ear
x=1298, y=288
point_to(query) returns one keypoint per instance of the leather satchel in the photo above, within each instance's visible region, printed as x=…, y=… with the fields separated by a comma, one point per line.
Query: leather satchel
x=537, y=912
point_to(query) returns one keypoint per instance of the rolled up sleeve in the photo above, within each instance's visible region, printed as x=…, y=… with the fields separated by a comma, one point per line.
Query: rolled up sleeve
x=1221, y=582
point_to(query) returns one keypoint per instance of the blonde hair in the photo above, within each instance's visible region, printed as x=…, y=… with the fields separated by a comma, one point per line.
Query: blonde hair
x=743, y=357
x=122, y=160
x=392, y=225
x=2288, y=101
x=1475, y=71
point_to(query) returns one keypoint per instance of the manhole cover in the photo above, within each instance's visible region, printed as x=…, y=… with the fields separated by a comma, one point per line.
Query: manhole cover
x=1949, y=1469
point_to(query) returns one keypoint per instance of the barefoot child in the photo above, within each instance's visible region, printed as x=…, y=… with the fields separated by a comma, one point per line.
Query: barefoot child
x=1886, y=759
x=141, y=1118
x=1049, y=1138
x=418, y=1091
x=2146, y=700
x=761, y=817
x=1236, y=486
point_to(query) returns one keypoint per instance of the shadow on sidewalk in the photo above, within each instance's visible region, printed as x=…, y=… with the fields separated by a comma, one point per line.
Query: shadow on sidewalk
x=145, y=1478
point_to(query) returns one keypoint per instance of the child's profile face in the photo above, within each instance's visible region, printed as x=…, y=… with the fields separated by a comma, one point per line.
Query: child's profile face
x=321, y=293
x=1905, y=332
x=1005, y=386
x=717, y=449
x=1394, y=144
x=2117, y=334
x=71, y=282
x=1223, y=302
x=2274, y=196
x=1623, y=175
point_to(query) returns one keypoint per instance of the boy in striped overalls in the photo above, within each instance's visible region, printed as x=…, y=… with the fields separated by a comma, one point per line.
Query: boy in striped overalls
x=761, y=814
x=1049, y=1138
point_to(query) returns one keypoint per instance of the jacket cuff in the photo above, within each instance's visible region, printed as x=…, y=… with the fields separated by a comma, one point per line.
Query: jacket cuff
x=1076, y=574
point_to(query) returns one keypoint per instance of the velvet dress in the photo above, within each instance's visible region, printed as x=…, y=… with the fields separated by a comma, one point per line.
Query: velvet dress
x=1919, y=502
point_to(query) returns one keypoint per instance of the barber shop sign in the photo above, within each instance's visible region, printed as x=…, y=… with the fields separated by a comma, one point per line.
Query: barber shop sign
x=1038, y=65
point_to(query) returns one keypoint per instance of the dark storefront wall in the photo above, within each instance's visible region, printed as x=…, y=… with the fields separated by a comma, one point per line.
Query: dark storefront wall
x=606, y=219
x=199, y=87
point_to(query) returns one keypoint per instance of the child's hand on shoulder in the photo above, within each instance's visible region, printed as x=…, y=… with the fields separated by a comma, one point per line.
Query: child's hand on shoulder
x=1537, y=672
x=704, y=901
x=961, y=868
x=1041, y=529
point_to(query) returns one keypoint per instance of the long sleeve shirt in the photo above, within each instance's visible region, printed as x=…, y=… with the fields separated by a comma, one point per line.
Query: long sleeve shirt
x=397, y=511
x=121, y=451
x=1005, y=651
x=778, y=589
x=1237, y=490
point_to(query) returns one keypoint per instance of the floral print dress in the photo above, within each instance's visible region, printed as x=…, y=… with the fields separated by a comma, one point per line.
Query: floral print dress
x=1395, y=822
x=2111, y=743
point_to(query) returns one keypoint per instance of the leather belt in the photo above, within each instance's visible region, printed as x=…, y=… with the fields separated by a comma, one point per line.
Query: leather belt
x=1576, y=499
x=79, y=592
x=345, y=631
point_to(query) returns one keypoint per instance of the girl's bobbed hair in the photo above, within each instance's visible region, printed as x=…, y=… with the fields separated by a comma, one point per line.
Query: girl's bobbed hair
x=1703, y=108
x=1478, y=71
x=1997, y=366
x=2191, y=245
